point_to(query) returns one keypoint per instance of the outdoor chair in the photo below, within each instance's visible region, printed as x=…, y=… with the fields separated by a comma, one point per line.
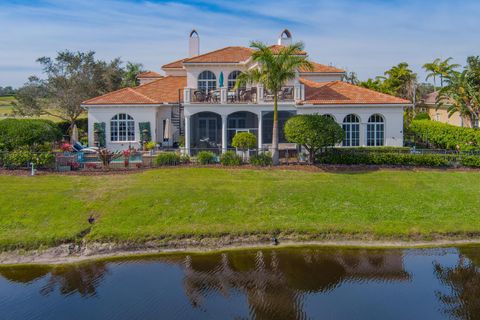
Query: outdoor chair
x=199, y=96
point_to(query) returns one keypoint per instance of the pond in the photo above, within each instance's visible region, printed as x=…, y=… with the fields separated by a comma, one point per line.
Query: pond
x=277, y=283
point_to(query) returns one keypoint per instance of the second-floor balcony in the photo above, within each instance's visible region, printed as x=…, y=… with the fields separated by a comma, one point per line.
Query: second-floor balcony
x=253, y=95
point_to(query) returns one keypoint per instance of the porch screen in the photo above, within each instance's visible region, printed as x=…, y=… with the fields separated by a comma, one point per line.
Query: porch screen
x=267, y=125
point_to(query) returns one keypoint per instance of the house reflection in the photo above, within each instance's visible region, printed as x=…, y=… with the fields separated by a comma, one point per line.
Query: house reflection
x=275, y=282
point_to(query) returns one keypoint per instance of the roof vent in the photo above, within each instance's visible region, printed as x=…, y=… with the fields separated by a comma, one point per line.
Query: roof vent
x=285, y=38
x=193, y=44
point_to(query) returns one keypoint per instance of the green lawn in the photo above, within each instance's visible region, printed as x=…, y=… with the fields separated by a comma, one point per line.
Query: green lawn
x=207, y=201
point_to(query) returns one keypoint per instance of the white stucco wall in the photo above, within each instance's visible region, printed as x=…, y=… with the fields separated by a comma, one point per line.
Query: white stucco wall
x=152, y=114
x=393, y=117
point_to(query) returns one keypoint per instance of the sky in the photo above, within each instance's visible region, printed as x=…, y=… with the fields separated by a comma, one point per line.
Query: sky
x=364, y=36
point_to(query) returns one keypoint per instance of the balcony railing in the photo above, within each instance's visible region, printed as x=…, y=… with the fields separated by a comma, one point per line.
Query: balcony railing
x=221, y=95
x=285, y=94
x=242, y=96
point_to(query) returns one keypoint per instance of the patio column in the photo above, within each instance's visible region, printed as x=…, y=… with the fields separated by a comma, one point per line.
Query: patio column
x=187, y=135
x=260, y=130
x=224, y=133
x=363, y=134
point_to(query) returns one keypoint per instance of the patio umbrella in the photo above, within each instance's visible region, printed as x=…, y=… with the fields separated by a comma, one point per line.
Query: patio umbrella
x=167, y=134
x=74, y=135
x=220, y=79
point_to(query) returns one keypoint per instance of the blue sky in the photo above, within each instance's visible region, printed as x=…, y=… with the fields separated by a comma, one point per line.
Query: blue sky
x=362, y=36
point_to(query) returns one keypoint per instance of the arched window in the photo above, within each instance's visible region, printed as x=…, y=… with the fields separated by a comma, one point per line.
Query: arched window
x=329, y=116
x=232, y=79
x=207, y=81
x=122, y=128
x=375, y=130
x=351, y=126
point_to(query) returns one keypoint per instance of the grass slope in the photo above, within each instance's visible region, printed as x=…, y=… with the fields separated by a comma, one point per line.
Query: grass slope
x=46, y=210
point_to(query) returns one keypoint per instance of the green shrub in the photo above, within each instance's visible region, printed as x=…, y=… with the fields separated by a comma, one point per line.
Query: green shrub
x=446, y=136
x=230, y=158
x=22, y=157
x=244, y=141
x=150, y=145
x=261, y=159
x=351, y=157
x=421, y=116
x=167, y=159
x=184, y=158
x=206, y=157
x=15, y=133
x=470, y=161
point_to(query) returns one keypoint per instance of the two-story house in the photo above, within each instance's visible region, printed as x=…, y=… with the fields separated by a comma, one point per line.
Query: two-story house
x=196, y=99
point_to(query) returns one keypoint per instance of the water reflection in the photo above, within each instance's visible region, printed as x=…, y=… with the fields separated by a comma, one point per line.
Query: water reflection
x=463, y=279
x=272, y=284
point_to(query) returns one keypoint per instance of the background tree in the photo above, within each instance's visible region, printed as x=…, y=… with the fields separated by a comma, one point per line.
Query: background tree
x=462, y=92
x=71, y=78
x=132, y=70
x=433, y=71
x=274, y=71
x=351, y=77
x=313, y=132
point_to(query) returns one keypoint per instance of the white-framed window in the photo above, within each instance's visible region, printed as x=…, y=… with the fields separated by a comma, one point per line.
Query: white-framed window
x=207, y=81
x=376, y=130
x=122, y=128
x=232, y=79
x=351, y=127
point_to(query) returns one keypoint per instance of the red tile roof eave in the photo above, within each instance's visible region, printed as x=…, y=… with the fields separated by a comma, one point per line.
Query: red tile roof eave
x=307, y=103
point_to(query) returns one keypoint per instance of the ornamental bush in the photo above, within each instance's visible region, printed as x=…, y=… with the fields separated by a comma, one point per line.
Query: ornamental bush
x=206, y=157
x=15, y=133
x=313, y=132
x=167, y=159
x=445, y=136
x=230, y=158
x=261, y=159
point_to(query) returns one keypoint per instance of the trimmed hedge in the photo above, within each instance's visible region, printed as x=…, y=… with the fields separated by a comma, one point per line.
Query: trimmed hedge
x=471, y=161
x=15, y=133
x=445, y=136
x=351, y=157
x=261, y=159
x=22, y=157
x=230, y=158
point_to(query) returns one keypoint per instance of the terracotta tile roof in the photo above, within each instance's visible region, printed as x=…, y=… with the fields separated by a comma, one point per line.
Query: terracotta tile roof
x=178, y=64
x=163, y=90
x=277, y=47
x=149, y=74
x=224, y=55
x=317, y=67
x=339, y=92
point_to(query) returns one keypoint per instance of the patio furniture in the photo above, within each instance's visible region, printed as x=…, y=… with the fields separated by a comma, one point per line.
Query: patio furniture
x=199, y=96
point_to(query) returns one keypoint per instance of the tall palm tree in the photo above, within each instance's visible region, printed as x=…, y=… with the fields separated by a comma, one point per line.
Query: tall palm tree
x=461, y=95
x=273, y=70
x=445, y=69
x=433, y=70
x=131, y=72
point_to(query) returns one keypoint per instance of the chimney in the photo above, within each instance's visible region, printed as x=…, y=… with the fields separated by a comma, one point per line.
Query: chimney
x=285, y=38
x=193, y=44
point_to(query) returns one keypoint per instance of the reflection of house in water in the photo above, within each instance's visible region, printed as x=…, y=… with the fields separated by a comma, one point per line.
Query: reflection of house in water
x=275, y=282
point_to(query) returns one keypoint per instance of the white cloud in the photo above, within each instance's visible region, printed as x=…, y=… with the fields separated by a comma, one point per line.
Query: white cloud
x=367, y=36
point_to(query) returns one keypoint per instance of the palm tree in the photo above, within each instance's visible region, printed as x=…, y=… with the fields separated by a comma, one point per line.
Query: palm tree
x=273, y=70
x=461, y=95
x=131, y=72
x=445, y=69
x=433, y=71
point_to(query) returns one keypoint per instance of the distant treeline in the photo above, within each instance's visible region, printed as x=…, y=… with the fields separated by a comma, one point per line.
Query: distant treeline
x=7, y=91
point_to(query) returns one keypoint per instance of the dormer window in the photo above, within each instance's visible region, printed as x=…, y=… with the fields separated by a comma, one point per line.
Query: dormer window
x=207, y=81
x=232, y=79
